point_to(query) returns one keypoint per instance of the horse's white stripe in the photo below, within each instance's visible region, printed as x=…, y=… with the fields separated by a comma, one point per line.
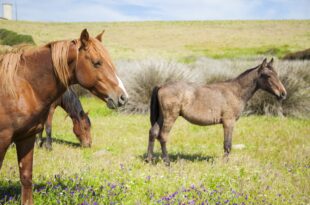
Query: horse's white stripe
x=121, y=85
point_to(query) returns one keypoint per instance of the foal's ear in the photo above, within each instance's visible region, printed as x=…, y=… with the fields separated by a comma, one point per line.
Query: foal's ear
x=262, y=66
x=99, y=36
x=84, y=38
x=270, y=63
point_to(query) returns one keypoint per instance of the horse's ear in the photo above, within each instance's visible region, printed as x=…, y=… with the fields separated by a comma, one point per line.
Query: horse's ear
x=84, y=38
x=99, y=36
x=262, y=66
x=270, y=63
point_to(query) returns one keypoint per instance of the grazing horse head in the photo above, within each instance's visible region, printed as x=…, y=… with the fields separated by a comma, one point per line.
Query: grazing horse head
x=81, y=128
x=269, y=80
x=95, y=71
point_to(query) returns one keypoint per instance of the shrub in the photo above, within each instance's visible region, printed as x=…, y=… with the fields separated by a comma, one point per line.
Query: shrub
x=141, y=76
x=11, y=38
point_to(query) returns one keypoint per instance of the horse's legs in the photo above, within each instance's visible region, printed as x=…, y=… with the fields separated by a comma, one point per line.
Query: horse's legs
x=163, y=136
x=48, y=128
x=5, y=141
x=25, y=159
x=41, y=140
x=154, y=132
x=228, y=126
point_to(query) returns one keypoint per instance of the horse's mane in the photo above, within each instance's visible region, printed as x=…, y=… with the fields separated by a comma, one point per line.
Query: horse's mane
x=246, y=72
x=10, y=62
x=59, y=51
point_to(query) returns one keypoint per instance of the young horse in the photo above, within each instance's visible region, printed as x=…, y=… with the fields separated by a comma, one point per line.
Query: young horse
x=70, y=102
x=219, y=103
x=33, y=79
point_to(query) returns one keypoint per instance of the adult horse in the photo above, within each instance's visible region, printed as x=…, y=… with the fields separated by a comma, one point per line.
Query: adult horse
x=70, y=102
x=33, y=79
x=218, y=103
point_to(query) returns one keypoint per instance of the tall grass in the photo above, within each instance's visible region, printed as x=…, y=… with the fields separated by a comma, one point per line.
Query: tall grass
x=141, y=76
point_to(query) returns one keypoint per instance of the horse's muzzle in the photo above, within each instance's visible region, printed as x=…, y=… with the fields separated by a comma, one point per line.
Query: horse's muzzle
x=119, y=102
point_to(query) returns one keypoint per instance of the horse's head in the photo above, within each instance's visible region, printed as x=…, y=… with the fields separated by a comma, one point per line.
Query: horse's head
x=81, y=128
x=96, y=72
x=269, y=80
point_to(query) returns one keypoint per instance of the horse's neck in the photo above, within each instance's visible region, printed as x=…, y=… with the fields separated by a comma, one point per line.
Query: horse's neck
x=39, y=73
x=71, y=104
x=247, y=85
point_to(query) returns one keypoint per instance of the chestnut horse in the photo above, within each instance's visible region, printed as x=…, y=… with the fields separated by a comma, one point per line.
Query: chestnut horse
x=33, y=79
x=70, y=102
x=219, y=103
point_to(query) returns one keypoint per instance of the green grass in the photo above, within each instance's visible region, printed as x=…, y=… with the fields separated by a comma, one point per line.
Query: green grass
x=181, y=40
x=273, y=168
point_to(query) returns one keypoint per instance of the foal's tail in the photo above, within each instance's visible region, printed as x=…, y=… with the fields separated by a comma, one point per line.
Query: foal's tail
x=154, y=108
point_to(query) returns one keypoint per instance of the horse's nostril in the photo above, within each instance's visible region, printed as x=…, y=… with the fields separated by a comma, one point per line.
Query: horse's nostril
x=122, y=99
x=283, y=95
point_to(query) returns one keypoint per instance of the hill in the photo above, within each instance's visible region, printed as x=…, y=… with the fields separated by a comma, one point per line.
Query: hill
x=182, y=40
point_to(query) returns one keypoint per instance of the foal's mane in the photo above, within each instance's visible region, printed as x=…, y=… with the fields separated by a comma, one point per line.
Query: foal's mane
x=10, y=62
x=246, y=73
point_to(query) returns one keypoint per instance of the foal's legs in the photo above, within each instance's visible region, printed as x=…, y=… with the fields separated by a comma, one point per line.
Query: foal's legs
x=25, y=159
x=154, y=132
x=163, y=135
x=228, y=126
x=48, y=128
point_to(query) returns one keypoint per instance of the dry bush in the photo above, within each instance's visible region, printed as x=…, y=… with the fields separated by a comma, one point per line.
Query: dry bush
x=141, y=76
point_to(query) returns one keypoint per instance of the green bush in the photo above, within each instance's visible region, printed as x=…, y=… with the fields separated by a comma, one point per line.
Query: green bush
x=11, y=38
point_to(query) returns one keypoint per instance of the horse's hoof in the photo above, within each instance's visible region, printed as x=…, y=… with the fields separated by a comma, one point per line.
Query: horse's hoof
x=167, y=163
x=148, y=160
x=48, y=147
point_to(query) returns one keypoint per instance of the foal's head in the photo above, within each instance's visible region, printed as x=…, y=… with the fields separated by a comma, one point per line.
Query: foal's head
x=81, y=128
x=269, y=80
x=96, y=72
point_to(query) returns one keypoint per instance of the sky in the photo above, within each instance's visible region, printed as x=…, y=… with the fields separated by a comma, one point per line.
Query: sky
x=144, y=10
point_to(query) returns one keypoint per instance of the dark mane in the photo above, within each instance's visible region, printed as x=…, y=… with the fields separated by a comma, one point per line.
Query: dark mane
x=70, y=102
x=245, y=73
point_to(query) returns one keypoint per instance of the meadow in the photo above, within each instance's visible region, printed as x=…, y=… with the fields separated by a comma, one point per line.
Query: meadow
x=273, y=167
x=180, y=40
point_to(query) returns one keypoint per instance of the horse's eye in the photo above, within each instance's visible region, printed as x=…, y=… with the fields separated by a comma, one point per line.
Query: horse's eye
x=97, y=64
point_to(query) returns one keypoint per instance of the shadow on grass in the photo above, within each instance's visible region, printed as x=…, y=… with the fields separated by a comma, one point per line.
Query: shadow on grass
x=179, y=156
x=60, y=141
x=9, y=191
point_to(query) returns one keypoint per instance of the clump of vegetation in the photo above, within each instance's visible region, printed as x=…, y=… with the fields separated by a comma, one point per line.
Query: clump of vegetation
x=299, y=55
x=11, y=38
x=141, y=76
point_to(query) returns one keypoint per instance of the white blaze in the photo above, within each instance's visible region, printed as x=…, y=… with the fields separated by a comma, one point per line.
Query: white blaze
x=121, y=85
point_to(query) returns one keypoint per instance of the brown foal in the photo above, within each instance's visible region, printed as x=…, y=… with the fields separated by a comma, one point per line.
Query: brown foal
x=33, y=79
x=218, y=103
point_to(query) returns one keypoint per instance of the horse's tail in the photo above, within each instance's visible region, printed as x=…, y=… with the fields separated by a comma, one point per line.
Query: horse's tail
x=154, y=108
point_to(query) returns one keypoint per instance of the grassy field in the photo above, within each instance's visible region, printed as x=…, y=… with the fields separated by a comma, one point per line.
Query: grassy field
x=273, y=168
x=184, y=41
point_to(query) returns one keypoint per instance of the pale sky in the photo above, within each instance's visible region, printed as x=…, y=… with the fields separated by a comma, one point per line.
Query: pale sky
x=143, y=10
